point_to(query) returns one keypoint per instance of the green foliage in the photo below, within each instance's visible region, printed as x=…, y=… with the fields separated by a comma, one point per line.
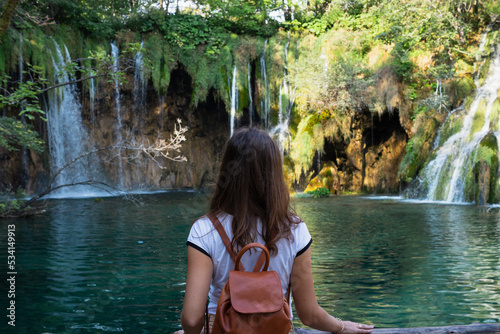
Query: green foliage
x=12, y=201
x=14, y=134
x=189, y=31
x=243, y=17
x=320, y=193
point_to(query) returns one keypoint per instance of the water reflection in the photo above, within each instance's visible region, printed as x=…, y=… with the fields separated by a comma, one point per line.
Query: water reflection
x=400, y=265
x=111, y=266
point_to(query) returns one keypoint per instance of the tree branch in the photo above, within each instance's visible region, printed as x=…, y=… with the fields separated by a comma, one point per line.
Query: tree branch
x=72, y=82
x=93, y=183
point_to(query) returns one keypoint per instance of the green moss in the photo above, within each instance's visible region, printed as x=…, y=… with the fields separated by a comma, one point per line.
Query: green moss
x=478, y=118
x=418, y=149
x=452, y=126
x=304, y=146
x=495, y=116
x=161, y=60
x=486, y=152
x=444, y=178
x=459, y=89
x=470, y=181
x=483, y=71
x=6, y=51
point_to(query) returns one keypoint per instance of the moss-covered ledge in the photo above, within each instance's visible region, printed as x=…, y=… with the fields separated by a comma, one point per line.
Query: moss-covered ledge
x=461, y=329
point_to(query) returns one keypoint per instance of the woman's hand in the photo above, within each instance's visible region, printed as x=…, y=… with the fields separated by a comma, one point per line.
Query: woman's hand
x=355, y=328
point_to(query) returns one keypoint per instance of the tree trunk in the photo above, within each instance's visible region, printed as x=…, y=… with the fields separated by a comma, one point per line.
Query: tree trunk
x=8, y=11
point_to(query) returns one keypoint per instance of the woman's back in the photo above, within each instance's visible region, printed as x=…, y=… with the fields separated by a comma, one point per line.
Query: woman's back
x=205, y=238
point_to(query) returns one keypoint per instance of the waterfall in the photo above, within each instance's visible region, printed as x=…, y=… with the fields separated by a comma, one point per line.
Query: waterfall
x=265, y=101
x=92, y=99
x=140, y=81
x=444, y=178
x=234, y=98
x=24, y=154
x=116, y=61
x=285, y=105
x=67, y=136
x=250, y=108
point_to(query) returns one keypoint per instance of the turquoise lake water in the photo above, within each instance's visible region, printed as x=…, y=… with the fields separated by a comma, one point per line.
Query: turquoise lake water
x=113, y=266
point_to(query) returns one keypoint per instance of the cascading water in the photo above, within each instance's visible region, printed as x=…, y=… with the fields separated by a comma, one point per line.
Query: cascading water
x=285, y=104
x=265, y=99
x=234, y=99
x=24, y=155
x=67, y=136
x=92, y=100
x=250, y=111
x=116, y=60
x=140, y=81
x=445, y=177
x=115, y=55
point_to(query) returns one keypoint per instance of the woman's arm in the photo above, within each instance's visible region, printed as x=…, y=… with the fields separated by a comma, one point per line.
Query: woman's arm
x=306, y=305
x=199, y=276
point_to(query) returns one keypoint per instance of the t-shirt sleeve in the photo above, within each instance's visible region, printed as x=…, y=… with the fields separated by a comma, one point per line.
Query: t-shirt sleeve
x=198, y=237
x=303, y=239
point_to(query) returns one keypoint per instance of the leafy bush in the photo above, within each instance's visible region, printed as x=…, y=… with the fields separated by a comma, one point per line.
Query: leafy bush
x=320, y=193
x=12, y=201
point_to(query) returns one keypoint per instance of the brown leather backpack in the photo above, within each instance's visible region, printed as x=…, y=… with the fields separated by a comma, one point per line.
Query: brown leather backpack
x=251, y=302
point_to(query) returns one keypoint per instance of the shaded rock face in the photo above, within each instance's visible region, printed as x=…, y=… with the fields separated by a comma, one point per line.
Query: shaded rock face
x=369, y=162
x=208, y=130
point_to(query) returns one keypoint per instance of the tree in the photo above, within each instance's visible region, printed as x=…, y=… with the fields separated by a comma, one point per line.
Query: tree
x=7, y=13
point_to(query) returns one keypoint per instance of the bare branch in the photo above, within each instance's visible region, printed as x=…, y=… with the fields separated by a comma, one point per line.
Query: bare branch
x=131, y=149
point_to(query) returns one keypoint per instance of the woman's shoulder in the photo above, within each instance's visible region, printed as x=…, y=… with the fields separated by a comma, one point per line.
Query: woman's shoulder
x=204, y=223
x=300, y=232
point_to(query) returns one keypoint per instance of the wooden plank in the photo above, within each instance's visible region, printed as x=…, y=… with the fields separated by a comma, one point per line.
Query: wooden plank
x=460, y=329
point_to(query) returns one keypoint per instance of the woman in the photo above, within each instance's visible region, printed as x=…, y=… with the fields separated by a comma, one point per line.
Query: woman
x=251, y=201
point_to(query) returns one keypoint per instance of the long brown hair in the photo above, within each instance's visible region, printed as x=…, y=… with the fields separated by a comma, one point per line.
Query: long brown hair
x=251, y=185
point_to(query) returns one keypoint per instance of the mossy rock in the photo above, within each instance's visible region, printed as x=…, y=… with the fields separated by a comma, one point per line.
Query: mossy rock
x=452, y=126
x=495, y=116
x=486, y=155
x=327, y=178
x=418, y=149
x=479, y=118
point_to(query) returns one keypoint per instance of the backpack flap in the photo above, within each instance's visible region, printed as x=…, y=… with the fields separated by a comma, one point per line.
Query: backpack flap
x=255, y=292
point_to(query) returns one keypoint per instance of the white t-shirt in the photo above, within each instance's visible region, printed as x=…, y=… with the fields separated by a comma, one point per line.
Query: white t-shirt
x=205, y=238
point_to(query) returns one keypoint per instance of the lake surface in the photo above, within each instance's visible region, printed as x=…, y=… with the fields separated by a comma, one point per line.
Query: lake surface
x=111, y=266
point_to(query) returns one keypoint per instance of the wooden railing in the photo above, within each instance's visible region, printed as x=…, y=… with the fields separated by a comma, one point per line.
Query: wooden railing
x=460, y=329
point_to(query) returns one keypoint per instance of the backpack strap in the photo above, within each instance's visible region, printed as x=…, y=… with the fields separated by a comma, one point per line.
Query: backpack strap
x=218, y=226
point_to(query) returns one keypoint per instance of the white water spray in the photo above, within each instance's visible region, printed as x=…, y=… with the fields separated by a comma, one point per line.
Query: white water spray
x=265, y=99
x=234, y=99
x=250, y=108
x=67, y=136
x=140, y=81
x=116, y=61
